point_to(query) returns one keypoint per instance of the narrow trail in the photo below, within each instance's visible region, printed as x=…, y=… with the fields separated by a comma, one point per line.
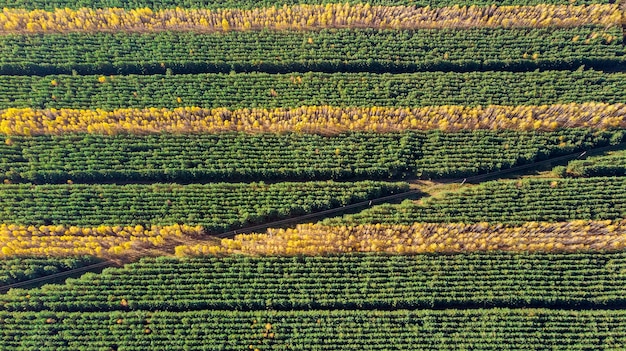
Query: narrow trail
x=89, y=268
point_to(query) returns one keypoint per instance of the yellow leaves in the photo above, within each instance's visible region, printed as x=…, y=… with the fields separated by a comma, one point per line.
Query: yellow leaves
x=311, y=119
x=102, y=79
x=306, y=16
x=33, y=27
x=103, y=241
x=225, y=25
x=296, y=79
x=315, y=239
x=608, y=38
x=443, y=125
x=54, y=83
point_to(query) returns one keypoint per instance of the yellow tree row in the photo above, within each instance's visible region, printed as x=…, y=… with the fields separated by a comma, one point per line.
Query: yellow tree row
x=313, y=119
x=314, y=239
x=305, y=17
x=101, y=241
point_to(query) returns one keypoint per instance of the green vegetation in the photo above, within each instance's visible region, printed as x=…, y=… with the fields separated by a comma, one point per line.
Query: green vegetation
x=352, y=50
x=245, y=157
x=208, y=157
x=466, y=153
x=372, y=281
x=15, y=270
x=216, y=206
x=508, y=201
x=80, y=186
x=479, y=329
x=611, y=164
x=312, y=89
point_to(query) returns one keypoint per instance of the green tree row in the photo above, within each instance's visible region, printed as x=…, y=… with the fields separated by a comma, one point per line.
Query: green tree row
x=348, y=50
x=248, y=90
x=508, y=201
x=216, y=206
x=463, y=154
x=419, y=330
x=353, y=281
x=15, y=270
x=248, y=157
x=208, y=157
x=610, y=164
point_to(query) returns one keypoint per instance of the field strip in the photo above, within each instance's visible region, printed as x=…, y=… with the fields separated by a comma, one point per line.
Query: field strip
x=326, y=120
x=361, y=281
x=138, y=244
x=327, y=50
x=252, y=4
x=317, y=239
x=306, y=17
x=484, y=329
x=263, y=90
